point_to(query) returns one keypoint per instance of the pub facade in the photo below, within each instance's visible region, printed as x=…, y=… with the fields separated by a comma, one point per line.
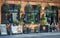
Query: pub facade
x=31, y=13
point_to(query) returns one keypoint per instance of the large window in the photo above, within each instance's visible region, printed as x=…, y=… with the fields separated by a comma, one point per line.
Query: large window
x=52, y=16
x=32, y=14
x=37, y=14
x=10, y=13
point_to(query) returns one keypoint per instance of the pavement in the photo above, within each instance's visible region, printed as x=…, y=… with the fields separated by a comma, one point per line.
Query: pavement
x=34, y=35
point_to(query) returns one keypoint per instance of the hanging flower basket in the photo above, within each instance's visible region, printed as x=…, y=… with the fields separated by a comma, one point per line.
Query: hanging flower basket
x=48, y=7
x=28, y=7
x=18, y=6
x=38, y=7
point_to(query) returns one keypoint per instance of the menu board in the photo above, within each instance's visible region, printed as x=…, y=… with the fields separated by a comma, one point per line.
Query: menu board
x=3, y=29
x=17, y=29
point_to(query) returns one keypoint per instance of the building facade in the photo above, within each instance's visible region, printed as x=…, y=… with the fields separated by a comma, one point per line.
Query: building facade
x=34, y=3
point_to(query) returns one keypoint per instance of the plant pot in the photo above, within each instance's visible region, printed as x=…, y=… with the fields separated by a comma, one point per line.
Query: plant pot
x=44, y=28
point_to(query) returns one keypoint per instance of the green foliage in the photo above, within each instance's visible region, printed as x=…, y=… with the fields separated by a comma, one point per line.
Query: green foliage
x=6, y=7
x=29, y=7
x=5, y=21
x=48, y=7
x=18, y=6
x=15, y=22
x=22, y=16
x=53, y=15
x=43, y=20
x=38, y=7
x=43, y=17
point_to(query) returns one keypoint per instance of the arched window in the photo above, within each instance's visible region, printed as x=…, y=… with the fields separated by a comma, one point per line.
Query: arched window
x=10, y=13
x=32, y=13
x=51, y=14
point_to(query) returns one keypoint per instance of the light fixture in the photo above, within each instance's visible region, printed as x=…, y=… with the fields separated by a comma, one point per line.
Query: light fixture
x=42, y=8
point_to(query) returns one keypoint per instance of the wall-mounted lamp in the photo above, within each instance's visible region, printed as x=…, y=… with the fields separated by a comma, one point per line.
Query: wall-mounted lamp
x=42, y=8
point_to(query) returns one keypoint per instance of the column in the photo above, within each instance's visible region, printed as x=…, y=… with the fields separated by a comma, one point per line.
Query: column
x=0, y=11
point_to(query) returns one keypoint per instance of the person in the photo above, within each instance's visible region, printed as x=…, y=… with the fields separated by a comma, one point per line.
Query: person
x=39, y=26
x=8, y=28
x=57, y=27
x=48, y=26
x=0, y=30
x=20, y=28
x=53, y=27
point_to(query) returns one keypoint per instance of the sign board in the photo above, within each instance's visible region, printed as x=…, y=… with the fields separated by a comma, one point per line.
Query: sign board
x=17, y=29
x=15, y=10
x=3, y=29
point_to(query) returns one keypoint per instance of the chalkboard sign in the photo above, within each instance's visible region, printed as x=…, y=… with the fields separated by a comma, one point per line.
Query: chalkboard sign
x=16, y=29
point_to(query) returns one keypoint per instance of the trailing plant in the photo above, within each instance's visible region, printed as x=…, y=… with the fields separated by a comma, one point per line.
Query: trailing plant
x=43, y=20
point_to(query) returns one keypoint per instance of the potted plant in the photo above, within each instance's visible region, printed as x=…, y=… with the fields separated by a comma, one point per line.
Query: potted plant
x=53, y=15
x=15, y=22
x=48, y=7
x=38, y=7
x=28, y=10
x=28, y=7
x=37, y=13
x=43, y=27
x=18, y=6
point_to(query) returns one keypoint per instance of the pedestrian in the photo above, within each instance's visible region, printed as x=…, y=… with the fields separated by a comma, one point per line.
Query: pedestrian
x=57, y=27
x=24, y=29
x=0, y=30
x=53, y=27
x=8, y=28
x=48, y=26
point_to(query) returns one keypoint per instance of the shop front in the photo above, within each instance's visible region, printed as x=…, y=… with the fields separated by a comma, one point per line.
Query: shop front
x=30, y=16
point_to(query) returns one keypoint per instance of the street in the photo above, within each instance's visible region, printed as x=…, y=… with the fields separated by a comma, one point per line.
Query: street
x=34, y=35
